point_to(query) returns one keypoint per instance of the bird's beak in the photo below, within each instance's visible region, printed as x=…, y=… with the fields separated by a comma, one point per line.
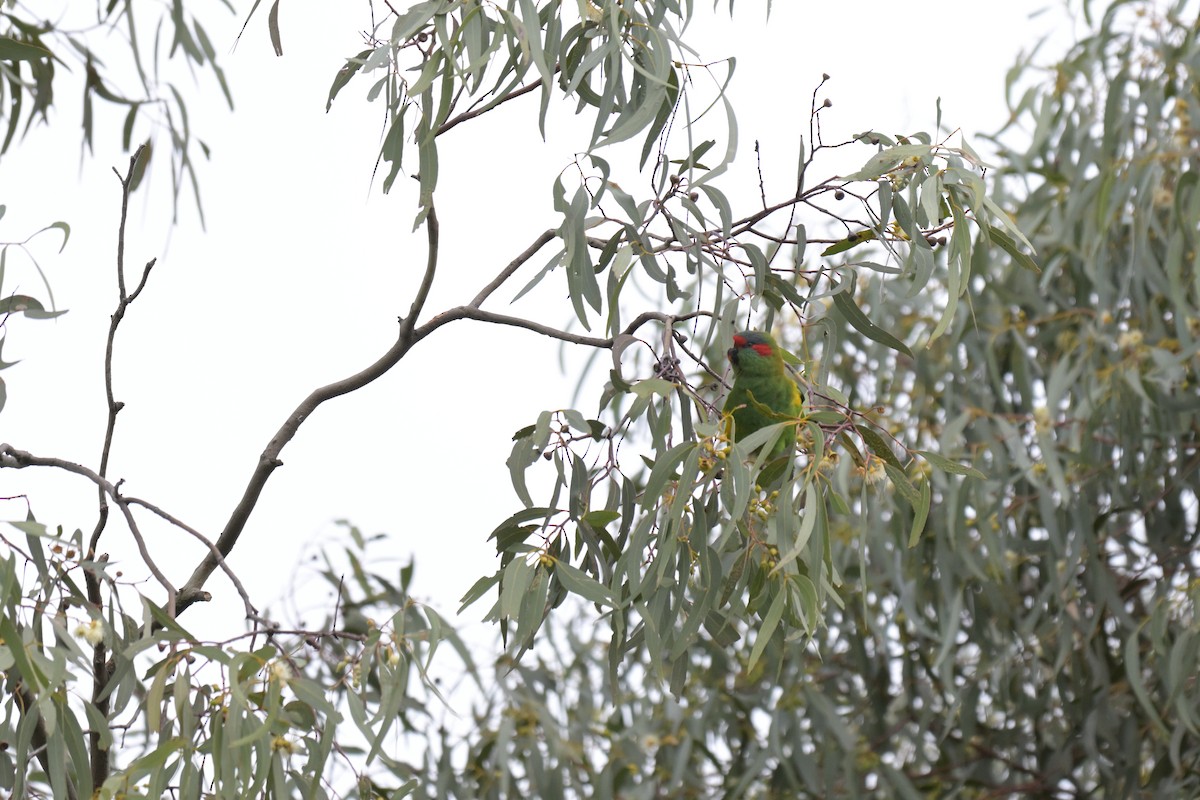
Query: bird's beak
x=732, y=355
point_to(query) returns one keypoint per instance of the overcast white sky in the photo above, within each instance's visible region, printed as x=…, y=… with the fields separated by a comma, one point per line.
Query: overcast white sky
x=304, y=267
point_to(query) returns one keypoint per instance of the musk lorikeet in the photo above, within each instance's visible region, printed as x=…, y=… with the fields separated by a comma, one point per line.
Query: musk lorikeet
x=761, y=383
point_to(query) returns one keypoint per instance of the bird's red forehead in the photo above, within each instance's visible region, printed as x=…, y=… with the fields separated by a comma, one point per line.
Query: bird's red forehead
x=761, y=348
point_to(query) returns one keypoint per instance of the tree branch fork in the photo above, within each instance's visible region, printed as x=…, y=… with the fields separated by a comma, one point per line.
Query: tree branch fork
x=178, y=598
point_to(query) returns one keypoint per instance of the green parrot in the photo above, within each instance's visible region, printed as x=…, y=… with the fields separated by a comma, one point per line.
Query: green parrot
x=759, y=373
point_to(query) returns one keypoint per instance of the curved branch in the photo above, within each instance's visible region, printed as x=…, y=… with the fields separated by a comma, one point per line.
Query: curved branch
x=100, y=666
x=114, y=407
x=475, y=112
x=478, y=314
x=193, y=590
x=471, y=312
x=19, y=459
x=432, y=230
x=513, y=266
x=251, y=611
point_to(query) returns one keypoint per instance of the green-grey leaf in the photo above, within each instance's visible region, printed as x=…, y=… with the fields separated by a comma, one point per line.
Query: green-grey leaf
x=946, y=465
x=854, y=315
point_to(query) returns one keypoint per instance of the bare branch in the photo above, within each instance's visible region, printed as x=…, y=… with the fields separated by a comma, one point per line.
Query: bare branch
x=762, y=190
x=470, y=312
x=13, y=458
x=742, y=225
x=310, y=637
x=251, y=611
x=193, y=590
x=126, y=182
x=682, y=343
x=513, y=266
x=100, y=667
x=432, y=230
x=142, y=283
x=114, y=407
x=475, y=112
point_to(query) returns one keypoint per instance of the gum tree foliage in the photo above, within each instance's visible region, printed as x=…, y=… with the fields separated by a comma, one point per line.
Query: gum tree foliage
x=118, y=60
x=1041, y=638
x=722, y=580
x=11, y=301
x=47, y=50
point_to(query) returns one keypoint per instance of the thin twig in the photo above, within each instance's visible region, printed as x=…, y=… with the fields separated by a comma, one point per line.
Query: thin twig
x=332, y=633
x=475, y=112
x=478, y=314
x=251, y=611
x=19, y=459
x=682, y=342
x=126, y=182
x=470, y=312
x=100, y=665
x=142, y=283
x=513, y=266
x=337, y=605
x=762, y=189
x=432, y=230
x=114, y=407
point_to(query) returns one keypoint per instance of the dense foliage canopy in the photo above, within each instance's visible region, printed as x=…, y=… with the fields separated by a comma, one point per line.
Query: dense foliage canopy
x=974, y=577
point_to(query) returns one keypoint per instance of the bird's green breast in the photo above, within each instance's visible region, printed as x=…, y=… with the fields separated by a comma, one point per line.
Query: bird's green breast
x=777, y=392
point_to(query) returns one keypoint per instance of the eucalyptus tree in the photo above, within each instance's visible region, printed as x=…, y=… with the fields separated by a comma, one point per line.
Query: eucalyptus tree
x=1039, y=636
x=729, y=584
